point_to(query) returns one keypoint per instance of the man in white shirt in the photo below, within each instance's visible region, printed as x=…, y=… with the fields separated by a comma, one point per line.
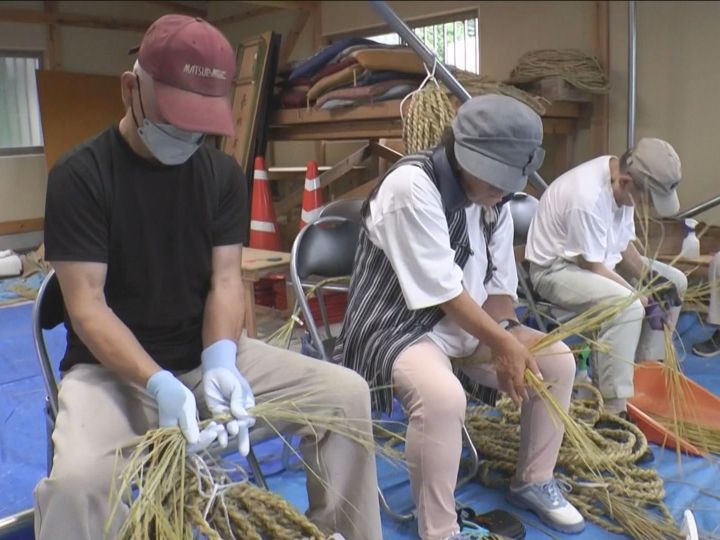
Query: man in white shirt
x=581, y=254
x=435, y=279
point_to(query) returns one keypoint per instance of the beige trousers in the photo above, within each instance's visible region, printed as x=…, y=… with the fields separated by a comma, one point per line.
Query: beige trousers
x=713, y=316
x=434, y=401
x=628, y=335
x=99, y=412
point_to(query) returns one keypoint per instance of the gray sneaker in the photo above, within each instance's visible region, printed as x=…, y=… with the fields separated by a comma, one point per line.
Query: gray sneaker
x=708, y=348
x=550, y=505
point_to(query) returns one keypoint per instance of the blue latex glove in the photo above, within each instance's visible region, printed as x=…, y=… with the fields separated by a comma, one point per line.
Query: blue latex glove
x=227, y=391
x=176, y=407
x=656, y=316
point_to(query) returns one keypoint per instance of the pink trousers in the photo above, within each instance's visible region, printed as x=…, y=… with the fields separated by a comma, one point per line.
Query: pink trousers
x=435, y=403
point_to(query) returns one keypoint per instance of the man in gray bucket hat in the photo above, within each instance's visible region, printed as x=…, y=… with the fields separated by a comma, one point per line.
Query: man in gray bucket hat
x=434, y=281
x=580, y=246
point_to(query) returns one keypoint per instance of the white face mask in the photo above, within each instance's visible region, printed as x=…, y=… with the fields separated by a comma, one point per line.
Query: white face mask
x=170, y=145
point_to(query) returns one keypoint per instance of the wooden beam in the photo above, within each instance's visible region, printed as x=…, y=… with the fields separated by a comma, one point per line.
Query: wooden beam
x=283, y=4
x=54, y=43
x=177, y=7
x=291, y=39
x=244, y=16
x=21, y=226
x=29, y=16
x=599, y=124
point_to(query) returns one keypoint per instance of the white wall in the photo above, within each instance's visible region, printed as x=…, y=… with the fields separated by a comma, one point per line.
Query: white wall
x=678, y=74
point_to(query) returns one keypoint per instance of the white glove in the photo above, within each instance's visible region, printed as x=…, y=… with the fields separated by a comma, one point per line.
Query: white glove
x=176, y=407
x=227, y=391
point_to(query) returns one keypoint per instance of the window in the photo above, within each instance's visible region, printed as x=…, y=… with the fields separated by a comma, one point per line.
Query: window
x=20, y=129
x=454, y=41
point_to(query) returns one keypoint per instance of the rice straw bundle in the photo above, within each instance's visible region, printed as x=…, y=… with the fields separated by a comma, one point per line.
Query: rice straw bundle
x=172, y=495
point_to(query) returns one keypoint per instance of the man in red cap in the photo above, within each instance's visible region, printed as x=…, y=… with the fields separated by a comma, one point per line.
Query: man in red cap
x=144, y=226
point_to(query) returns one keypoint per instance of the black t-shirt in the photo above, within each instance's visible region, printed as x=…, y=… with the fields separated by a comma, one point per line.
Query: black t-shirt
x=155, y=227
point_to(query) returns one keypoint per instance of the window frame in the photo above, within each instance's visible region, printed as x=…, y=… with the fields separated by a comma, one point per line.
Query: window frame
x=455, y=15
x=39, y=55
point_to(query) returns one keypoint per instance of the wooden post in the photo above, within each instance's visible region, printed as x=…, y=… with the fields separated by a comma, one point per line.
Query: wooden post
x=599, y=126
x=317, y=43
x=54, y=43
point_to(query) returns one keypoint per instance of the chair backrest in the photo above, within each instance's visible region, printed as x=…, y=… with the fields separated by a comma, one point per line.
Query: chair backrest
x=324, y=248
x=523, y=208
x=48, y=312
x=347, y=208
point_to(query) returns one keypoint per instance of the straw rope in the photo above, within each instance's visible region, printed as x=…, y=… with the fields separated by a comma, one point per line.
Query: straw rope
x=579, y=69
x=604, y=500
x=429, y=113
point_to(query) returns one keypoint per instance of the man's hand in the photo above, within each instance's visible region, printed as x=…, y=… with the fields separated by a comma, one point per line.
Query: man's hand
x=511, y=359
x=227, y=391
x=176, y=407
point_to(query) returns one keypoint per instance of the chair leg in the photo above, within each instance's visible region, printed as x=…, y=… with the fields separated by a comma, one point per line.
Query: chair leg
x=474, y=460
x=49, y=428
x=397, y=516
x=471, y=474
x=256, y=470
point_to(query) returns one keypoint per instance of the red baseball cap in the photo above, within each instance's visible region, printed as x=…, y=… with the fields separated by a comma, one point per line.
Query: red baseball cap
x=192, y=65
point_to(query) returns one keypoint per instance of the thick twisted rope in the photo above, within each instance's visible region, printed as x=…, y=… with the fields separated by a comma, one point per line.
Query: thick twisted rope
x=618, y=502
x=579, y=69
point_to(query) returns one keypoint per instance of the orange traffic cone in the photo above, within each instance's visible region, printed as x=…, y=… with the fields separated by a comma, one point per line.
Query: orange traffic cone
x=263, y=225
x=312, y=197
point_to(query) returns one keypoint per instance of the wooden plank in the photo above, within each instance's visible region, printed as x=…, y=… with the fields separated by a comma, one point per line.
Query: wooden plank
x=338, y=131
x=21, y=226
x=599, y=123
x=74, y=107
x=385, y=152
x=384, y=110
x=283, y=4
x=291, y=39
x=345, y=166
x=251, y=57
x=54, y=42
x=29, y=16
x=179, y=7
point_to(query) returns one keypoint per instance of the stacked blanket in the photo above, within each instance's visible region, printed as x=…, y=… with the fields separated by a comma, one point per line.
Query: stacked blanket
x=350, y=72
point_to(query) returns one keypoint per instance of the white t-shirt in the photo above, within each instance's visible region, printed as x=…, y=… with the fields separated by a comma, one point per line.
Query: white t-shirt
x=578, y=215
x=408, y=223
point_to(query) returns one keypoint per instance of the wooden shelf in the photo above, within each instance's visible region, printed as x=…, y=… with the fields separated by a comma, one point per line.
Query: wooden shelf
x=382, y=120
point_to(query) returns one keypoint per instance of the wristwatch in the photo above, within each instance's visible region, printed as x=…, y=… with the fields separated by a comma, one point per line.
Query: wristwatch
x=508, y=324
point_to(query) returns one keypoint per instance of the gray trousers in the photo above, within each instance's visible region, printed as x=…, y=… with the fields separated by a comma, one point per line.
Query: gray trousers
x=628, y=336
x=99, y=412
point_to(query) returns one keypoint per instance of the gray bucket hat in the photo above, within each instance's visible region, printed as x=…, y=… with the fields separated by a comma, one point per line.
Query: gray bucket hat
x=655, y=164
x=497, y=139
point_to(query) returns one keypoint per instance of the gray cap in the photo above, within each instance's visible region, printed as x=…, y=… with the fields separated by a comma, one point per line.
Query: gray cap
x=497, y=139
x=655, y=163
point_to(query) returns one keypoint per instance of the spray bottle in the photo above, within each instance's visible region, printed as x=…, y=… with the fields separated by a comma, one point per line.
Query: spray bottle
x=690, y=244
